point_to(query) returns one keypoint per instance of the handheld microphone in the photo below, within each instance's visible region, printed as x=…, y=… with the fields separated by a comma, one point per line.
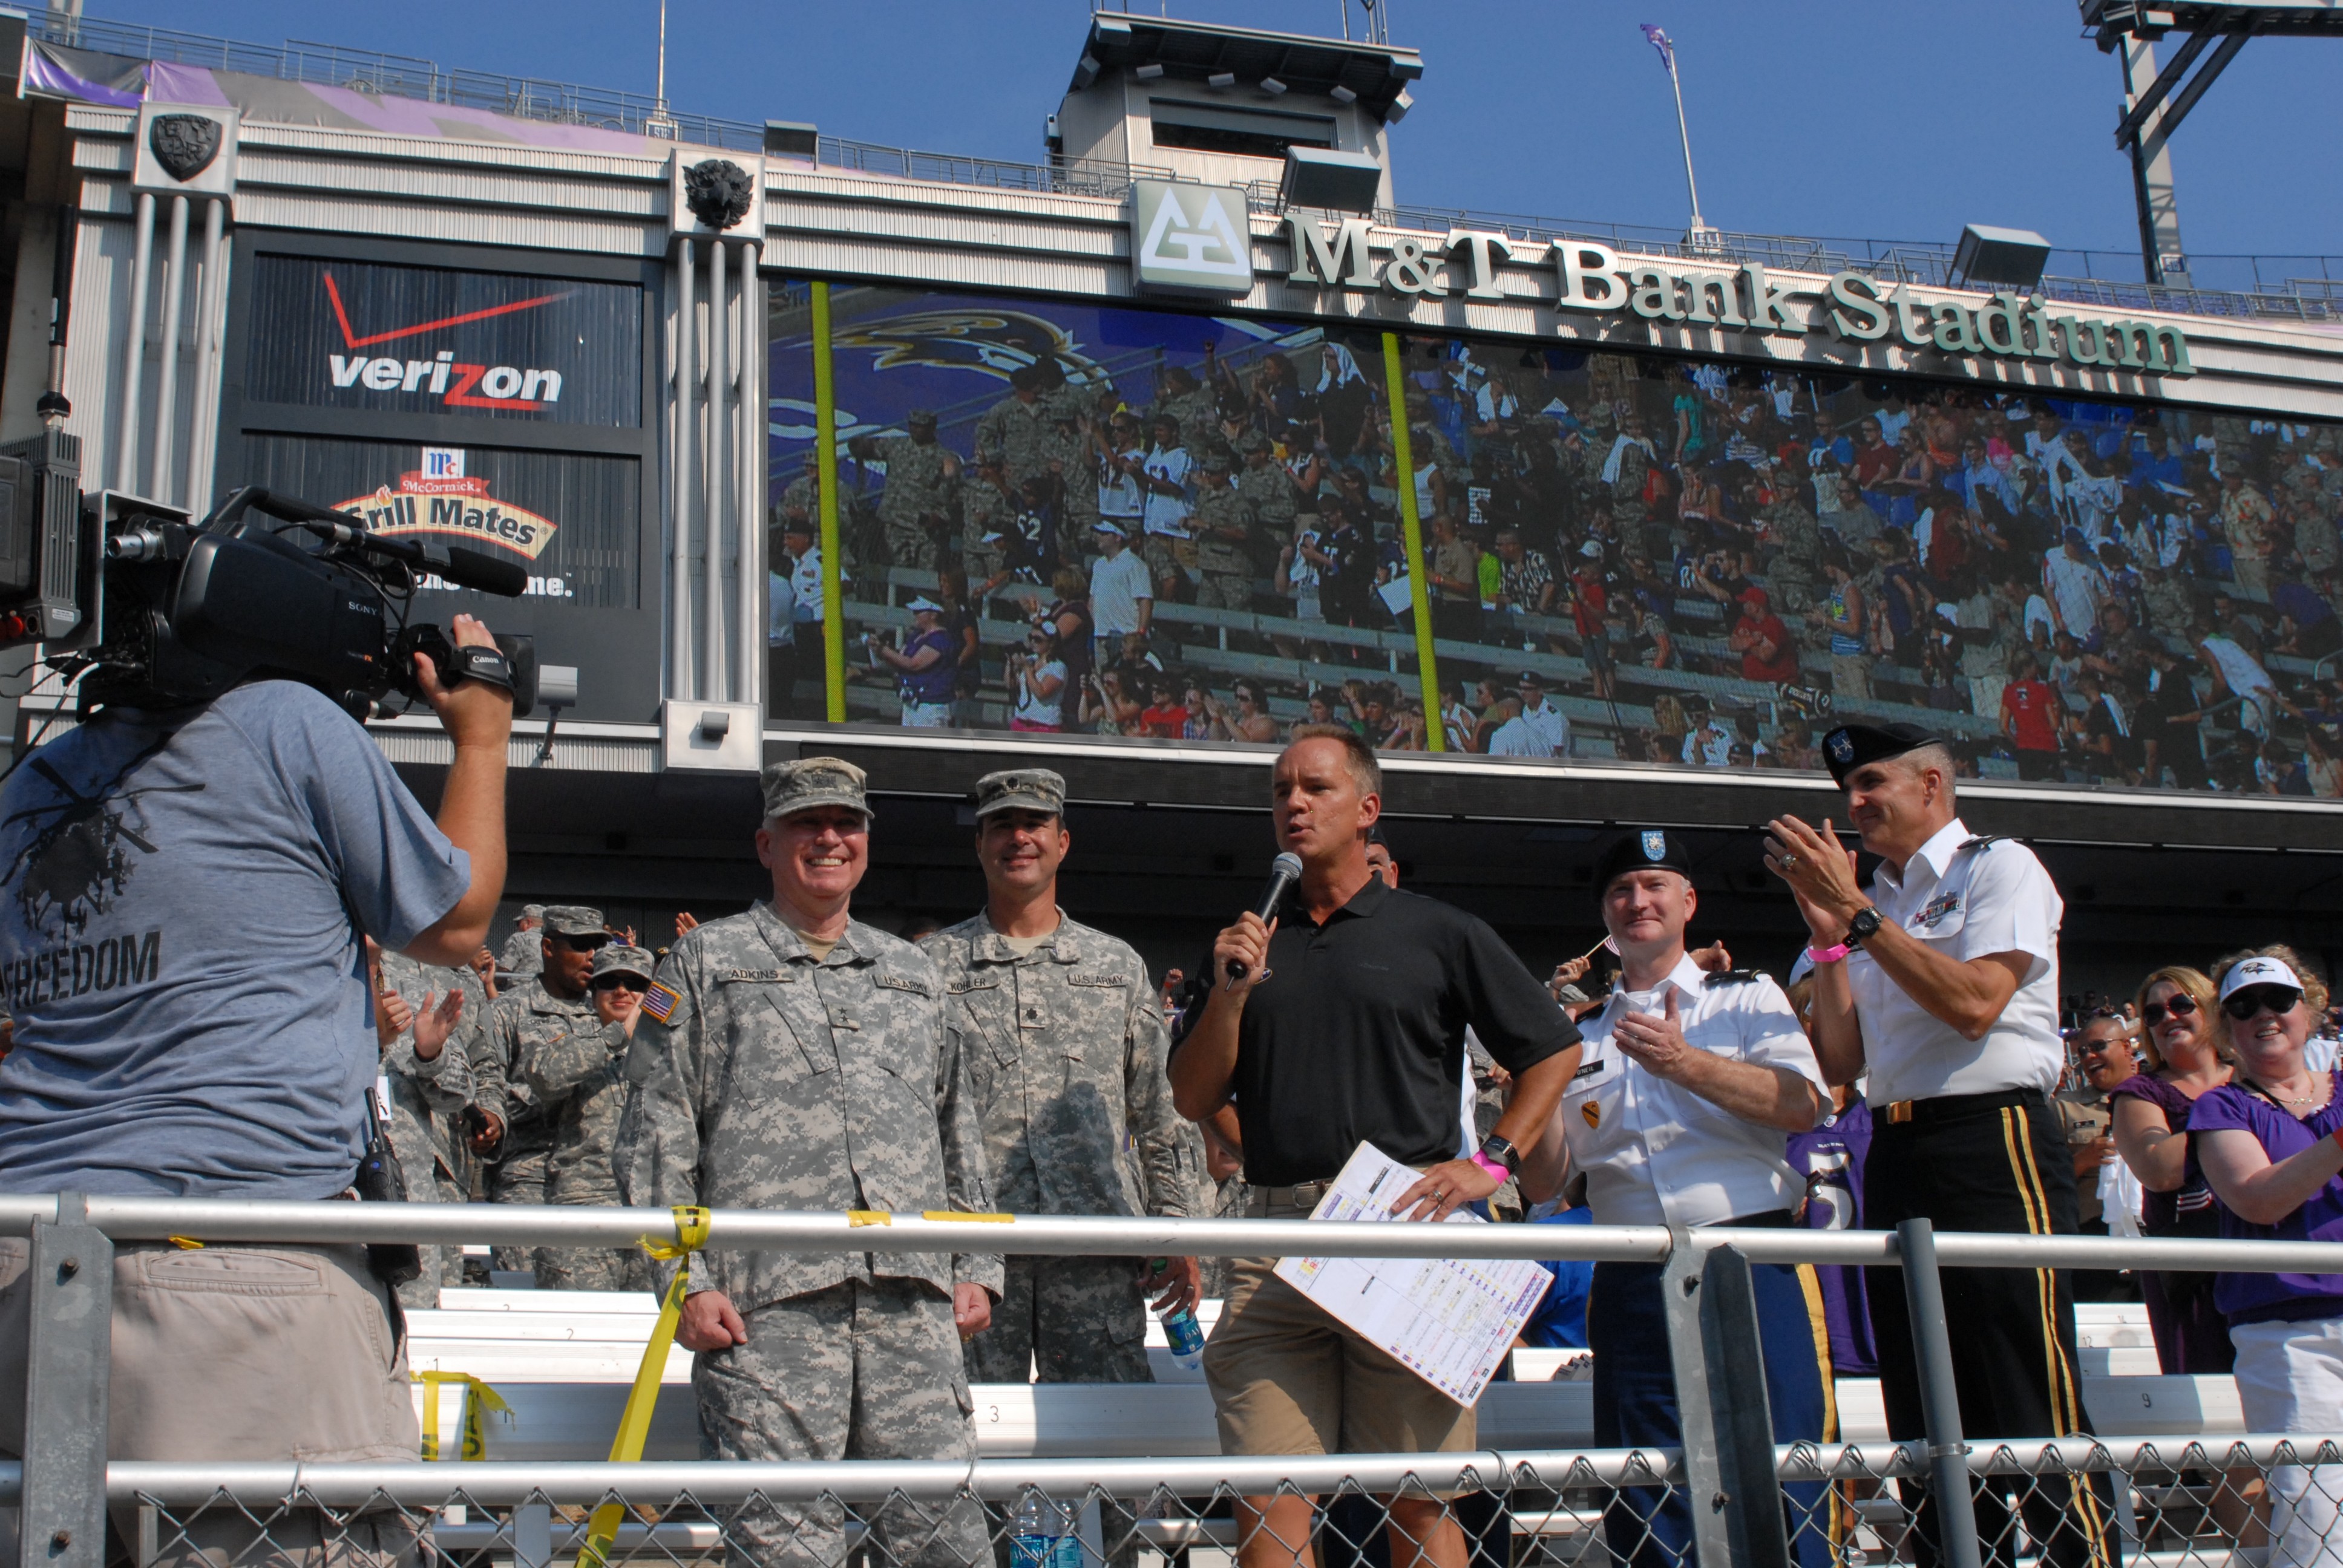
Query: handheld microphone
x=1283, y=872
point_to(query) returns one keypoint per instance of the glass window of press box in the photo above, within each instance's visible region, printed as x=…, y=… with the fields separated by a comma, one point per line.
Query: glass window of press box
x=1064, y=518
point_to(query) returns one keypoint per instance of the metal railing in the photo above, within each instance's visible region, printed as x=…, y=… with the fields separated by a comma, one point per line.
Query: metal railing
x=2191, y=1497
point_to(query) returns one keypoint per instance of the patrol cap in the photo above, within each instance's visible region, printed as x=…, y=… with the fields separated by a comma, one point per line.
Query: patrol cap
x=1641, y=849
x=573, y=921
x=1254, y=442
x=1851, y=745
x=532, y=911
x=1216, y=461
x=620, y=958
x=811, y=781
x=920, y=417
x=1020, y=789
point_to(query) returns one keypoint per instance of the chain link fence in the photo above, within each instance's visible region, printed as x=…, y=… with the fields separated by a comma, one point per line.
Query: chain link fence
x=2265, y=1501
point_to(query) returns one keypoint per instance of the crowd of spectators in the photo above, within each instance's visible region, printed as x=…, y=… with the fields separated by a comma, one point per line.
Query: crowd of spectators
x=1658, y=561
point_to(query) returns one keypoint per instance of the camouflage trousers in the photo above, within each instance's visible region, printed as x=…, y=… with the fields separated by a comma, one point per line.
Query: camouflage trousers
x=520, y=1178
x=1225, y=591
x=595, y=1268
x=855, y=1371
x=910, y=543
x=1065, y=1319
x=1169, y=558
x=441, y=1265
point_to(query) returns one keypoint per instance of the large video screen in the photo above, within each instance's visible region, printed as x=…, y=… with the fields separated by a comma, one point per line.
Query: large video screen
x=1063, y=518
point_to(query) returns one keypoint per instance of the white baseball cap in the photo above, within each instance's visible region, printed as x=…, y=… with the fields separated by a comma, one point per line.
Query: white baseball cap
x=2258, y=972
x=923, y=602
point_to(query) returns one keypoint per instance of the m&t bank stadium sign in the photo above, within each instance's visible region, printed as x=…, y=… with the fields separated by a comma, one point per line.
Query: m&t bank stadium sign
x=1180, y=239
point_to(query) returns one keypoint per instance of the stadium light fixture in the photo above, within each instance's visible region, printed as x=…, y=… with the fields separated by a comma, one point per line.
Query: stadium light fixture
x=1343, y=94
x=2013, y=258
x=1272, y=84
x=1222, y=79
x=1148, y=73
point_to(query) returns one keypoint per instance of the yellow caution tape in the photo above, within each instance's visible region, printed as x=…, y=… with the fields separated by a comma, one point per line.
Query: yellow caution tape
x=186, y=1244
x=867, y=1217
x=477, y=1396
x=974, y=1219
x=691, y=1224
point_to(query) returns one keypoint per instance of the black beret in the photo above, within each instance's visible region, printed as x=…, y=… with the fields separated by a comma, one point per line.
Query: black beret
x=1642, y=849
x=1850, y=746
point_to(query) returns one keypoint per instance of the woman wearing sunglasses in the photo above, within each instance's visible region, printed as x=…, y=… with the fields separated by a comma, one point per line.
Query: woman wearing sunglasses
x=2187, y=1056
x=2271, y=1145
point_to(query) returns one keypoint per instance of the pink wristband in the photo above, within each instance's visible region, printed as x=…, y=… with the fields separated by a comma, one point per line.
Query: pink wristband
x=1492, y=1167
x=1829, y=955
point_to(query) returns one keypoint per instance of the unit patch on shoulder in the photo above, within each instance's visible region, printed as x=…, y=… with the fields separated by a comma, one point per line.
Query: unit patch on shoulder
x=661, y=1000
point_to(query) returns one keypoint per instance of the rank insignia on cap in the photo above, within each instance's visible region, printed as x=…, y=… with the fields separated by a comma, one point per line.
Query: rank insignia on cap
x=1655, y=844
x=661, y=1000
x=1593, y=1111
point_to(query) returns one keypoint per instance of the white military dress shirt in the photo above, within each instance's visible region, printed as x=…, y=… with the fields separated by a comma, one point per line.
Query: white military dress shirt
x=1965, y=900
x=1655, y=1153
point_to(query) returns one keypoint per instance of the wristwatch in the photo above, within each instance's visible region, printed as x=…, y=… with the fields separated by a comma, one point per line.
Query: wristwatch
x=1863, y=927
x=1496, y=1150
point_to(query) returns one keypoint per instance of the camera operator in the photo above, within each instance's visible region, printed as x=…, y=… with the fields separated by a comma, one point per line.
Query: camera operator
x=164, y=1051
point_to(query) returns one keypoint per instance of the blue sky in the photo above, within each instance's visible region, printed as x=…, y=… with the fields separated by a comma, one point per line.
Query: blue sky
x=1842, y=118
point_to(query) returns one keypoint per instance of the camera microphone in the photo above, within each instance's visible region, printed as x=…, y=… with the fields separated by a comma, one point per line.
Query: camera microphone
x=456, y=564
x=1283, y=872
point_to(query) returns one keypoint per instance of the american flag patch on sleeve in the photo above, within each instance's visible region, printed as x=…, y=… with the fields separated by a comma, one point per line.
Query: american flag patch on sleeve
x=659, y=1001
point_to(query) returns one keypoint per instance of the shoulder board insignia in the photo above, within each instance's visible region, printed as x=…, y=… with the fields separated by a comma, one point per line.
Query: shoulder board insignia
x=1982, y=841
x=1733, y=977
x=901, y=982
x=1101, y=980
x=661, y=1000
x=755, y=977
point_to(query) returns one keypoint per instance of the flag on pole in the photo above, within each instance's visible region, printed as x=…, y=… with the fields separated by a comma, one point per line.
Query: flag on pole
x=1659, y=40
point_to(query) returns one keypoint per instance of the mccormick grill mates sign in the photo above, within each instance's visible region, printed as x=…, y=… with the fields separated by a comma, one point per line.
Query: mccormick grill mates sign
x=440, y=498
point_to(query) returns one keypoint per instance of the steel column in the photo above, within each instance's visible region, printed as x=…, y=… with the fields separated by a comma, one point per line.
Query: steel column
x=1742, y=1416
x=1681, y=1289
x=133, y=371
x=69, y=1350
x=714, y=668
x=748, y=461
x=166, y=376
x=678, y=562
x=203, y=408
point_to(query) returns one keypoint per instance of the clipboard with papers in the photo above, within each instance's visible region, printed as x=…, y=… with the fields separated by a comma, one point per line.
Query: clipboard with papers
x=1450, y=1320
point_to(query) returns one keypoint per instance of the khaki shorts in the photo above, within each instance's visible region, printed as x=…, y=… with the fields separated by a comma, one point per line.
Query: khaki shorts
x=227, y=1352
x=1287, y=1378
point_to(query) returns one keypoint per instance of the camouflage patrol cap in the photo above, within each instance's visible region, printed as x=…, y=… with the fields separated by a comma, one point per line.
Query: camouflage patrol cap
x=1217, y=461
x=1256, y=442
x=811, y=781
x=1020, y=789
x=573, y=921
x=532, y=911
x=620, y=958
x=920, y=417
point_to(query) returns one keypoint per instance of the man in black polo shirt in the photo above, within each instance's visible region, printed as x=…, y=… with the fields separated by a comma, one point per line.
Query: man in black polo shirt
x=1348, y=1025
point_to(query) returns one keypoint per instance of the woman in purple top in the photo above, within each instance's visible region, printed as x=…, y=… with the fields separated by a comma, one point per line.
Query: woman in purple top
x=2271, y=1147
x=2187, y=1057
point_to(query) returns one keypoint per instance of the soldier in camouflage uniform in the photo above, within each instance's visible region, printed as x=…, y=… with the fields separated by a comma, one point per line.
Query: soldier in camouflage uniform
x=921, y=473
x=522, y=956
x=1017, y=429
x=551, y=1006
x=419, y=1007
x=1796, y=541
x=1268, y=488
x=579, y=1071
x=1193, y=405
x=794, y=1058
x=1223, y=523
x=988, y=517
x=1063, y=1036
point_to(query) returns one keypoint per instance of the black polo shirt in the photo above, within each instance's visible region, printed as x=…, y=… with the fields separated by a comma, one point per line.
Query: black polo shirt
x=1359, y=1034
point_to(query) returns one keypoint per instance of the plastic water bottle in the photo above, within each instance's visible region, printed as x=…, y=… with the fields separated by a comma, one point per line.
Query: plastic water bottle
x=1181, y=1329
x=1042, y=1537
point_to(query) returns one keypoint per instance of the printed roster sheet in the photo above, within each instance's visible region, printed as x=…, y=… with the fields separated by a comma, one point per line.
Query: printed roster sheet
x=1451, y=1321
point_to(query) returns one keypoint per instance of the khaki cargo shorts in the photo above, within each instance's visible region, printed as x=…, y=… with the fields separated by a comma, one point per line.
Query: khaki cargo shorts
x=1288, y=1378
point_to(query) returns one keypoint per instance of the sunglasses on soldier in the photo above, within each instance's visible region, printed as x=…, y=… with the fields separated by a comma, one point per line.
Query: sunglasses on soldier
x=619, y=981
x=592, y=941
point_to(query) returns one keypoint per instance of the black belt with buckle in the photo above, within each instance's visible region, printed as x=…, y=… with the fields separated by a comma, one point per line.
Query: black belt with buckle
x=1944, y=1107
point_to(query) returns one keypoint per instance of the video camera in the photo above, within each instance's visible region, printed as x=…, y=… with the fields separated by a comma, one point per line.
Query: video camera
x=149, y=609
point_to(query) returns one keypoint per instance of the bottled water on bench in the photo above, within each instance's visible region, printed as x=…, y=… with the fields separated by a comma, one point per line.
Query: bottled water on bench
x=1044, y=1536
